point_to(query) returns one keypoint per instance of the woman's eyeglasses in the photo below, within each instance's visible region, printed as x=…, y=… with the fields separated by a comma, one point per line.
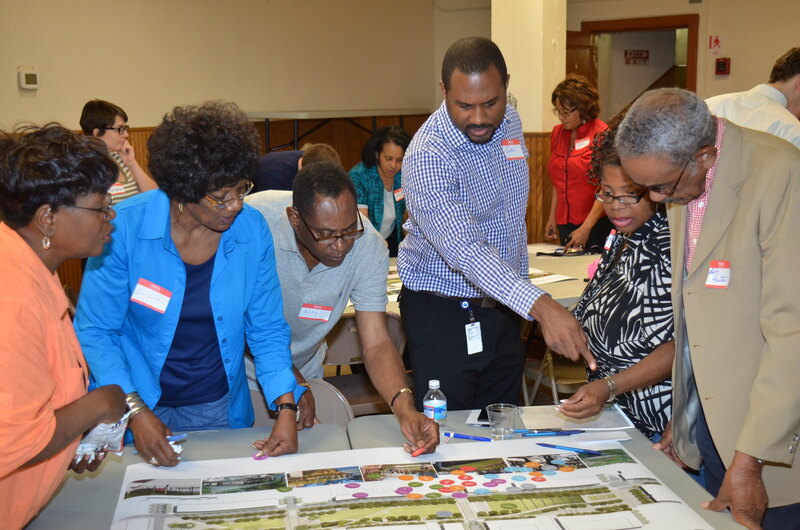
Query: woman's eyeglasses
x=622, y=199
x=106, y=210
x=240, y=194
x=122, y=129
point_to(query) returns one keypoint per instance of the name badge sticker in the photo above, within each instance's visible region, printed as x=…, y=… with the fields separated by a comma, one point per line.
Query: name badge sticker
x=116, y=189
x=399, y=195
x=609, y=239
x=719, y=274
x=512, y=149
x=582, y=143
x=315, y=312
x=151, y=295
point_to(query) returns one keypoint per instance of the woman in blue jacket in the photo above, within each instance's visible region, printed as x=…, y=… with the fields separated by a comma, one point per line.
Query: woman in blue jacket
x=190, y=276
x=378, y=182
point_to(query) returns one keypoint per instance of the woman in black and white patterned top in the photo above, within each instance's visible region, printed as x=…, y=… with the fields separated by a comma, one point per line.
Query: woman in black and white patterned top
x=626, y=309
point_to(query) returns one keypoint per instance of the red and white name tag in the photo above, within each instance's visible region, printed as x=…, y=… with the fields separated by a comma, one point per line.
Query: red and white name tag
x=315, y=312
x=116, y=189
x=609, y=239
x=512, y=149
x=151, y=295
x=719, y=274
x=399, y=195
x=582, y=143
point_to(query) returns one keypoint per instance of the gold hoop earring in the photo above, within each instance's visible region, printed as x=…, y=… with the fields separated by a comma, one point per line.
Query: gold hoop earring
x=180, y=207
x=46, y=243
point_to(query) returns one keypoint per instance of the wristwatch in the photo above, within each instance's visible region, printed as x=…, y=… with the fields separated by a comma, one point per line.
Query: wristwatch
x=289, y=406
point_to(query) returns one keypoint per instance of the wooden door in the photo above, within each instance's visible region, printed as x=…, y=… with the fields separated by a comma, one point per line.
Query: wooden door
x=582, y=55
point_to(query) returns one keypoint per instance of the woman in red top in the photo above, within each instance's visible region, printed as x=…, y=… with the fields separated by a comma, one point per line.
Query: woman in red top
x=575, y=217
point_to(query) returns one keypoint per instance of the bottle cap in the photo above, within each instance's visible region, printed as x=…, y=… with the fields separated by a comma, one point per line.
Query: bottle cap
x=433, y=383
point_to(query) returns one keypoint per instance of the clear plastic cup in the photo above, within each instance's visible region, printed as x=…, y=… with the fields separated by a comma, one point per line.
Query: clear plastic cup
x=503, y=418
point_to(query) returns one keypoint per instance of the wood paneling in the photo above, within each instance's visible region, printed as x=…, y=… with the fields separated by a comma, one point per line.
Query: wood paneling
x=71, y=273
x=541, y=190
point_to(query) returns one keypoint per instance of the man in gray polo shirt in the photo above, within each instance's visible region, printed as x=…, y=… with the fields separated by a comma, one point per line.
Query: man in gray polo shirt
x=326, y=255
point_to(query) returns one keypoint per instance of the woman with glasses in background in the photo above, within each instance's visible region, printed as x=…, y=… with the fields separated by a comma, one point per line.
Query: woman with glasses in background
x=166, y=310
x=54, y=205
x=626, y=310
x=110, y=123
x=576, y=220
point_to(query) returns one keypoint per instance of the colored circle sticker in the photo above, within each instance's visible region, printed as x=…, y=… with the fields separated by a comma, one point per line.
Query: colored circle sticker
x=538, y=479
x=435, y=486
x=415, y=484
x=490, y=484
x=426, y=478
x=509, y=469
x=405, y=477
x=352, y=485
x=491, y=476
x=499, y=481
x=459, y=495
x=433, y=495
x=566, y=469
x=535, y=473
x=283, y=489
x=465, y=477
x=468, y=469
x=469, y=483
x=414, y=496
x=519, y=478
x=447, y=481
x=482, y=491
x=548, y=472
x=558, y=461
x=403, y=490
x=445, y=490
x=360, y=494
x=531, y=464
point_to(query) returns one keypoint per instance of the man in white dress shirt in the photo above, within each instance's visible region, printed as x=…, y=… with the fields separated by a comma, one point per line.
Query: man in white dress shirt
x=773, y=107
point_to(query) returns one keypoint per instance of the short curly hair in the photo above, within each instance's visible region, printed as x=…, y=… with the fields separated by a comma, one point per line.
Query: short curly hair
x=49, y=165
x=200, y=149
x=579, y=93
x=604, y=152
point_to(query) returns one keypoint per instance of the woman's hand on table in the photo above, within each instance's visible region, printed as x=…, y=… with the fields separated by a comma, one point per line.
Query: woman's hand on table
x=418, y=429
x=307, y=408
x=84, y=465
x=588, y=401
x=283, y=438
x=578, y=238
x=150, y=437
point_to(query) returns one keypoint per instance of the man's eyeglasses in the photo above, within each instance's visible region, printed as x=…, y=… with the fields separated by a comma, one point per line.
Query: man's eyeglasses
x=105, y=210
x=564, y=113
x=330, y=240
x=661, y=189
x=607, y=198
x=240, y=194
x=122, y=129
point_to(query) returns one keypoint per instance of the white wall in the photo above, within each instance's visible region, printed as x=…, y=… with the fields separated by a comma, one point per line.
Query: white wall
x=624, y=82
x=453, y=20
x=150, y=55
x=753, y=34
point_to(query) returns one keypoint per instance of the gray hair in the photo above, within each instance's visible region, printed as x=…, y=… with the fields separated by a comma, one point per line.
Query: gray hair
x=668, y=123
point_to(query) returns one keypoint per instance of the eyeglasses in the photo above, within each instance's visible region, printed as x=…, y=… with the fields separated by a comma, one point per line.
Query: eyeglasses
x=122, y=129
x=241, y=193
x=330, y=240
x=661, y=189
x=607, y=198
x=563, y=113
x=106, y=210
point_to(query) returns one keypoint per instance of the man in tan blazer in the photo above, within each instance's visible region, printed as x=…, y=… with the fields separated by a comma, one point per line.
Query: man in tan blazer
x=734, y=218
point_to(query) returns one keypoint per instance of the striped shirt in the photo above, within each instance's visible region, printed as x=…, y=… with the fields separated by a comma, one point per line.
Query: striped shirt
x=126, y=185
x=466, y=227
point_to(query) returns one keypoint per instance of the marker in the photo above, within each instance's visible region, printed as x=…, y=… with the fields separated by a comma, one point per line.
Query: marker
x=177, y=437
x=418, y=452
x=466, y=437
x=534, y=433
x=573, y=449
x=261, y=455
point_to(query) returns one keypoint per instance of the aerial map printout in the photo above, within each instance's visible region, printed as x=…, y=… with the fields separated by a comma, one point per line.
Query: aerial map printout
x=506, y=485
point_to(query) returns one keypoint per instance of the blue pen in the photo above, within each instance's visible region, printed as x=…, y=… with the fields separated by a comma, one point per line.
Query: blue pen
x=573, y=449
x=533, y=433
x=177, y=437
x=466, y=437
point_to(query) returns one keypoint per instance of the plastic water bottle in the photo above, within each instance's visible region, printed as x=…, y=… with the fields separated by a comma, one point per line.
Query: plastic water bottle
x=434, y=403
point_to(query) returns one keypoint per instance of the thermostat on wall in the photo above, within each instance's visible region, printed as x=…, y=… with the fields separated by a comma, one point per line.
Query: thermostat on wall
x=28, y=79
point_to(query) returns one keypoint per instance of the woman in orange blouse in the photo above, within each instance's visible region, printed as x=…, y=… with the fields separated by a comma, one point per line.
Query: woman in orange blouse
x=55, y=206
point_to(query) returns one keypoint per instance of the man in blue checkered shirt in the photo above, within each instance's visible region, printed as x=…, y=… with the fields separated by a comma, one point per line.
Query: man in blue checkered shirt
x=464, y=261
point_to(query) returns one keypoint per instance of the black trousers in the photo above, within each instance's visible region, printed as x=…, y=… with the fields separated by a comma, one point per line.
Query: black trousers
x=779, y=518
x=437, y=347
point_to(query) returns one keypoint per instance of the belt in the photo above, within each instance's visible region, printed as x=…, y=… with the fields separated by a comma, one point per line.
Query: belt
x=485, y=301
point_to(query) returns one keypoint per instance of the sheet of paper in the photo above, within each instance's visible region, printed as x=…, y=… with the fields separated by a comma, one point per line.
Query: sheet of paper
x=498, y=485
x=540, y=277
x=546, y=417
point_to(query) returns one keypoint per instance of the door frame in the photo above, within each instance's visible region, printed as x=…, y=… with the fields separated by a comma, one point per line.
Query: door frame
x=691, y=22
